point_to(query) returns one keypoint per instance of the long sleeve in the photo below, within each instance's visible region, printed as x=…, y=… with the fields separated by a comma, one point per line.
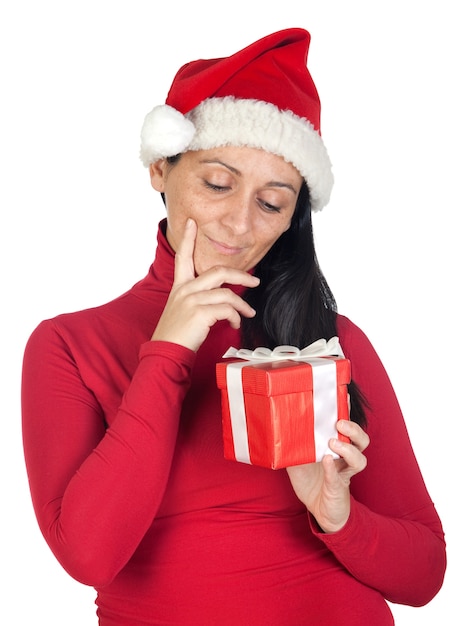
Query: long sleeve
x=90, y=472
x=394, y=540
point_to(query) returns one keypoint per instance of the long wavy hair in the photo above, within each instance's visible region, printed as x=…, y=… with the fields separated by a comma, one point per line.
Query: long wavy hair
x=294, y=303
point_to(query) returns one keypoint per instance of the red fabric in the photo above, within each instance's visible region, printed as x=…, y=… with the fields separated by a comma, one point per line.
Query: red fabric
x=253, y=73
x=123, y=445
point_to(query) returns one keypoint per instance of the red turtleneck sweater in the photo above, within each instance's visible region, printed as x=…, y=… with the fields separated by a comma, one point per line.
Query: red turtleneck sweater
x=123, y=448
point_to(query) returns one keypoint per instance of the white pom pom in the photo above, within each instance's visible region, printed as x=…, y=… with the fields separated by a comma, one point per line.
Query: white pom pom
x=165, y=132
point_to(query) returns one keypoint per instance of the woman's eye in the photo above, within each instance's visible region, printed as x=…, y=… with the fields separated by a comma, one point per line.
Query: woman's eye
x=270, y=207
x=215, y=187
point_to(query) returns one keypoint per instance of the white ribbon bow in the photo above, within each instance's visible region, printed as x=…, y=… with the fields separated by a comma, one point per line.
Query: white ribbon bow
x=318, y=348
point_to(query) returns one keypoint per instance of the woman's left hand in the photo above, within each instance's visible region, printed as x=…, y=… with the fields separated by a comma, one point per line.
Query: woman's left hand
x=324, y=487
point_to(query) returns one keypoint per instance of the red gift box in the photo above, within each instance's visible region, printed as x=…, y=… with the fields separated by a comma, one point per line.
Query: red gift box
x=279, y=413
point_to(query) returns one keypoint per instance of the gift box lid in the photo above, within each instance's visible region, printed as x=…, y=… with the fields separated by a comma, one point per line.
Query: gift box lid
x=275, y=378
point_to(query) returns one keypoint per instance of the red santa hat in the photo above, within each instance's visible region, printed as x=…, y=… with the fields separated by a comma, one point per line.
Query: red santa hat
x=262, y=97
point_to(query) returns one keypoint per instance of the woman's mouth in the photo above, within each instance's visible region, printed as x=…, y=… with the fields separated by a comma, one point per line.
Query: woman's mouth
x=224, y=248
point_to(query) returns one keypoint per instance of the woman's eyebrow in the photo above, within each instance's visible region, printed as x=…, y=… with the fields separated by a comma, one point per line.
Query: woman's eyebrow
x=272, y=183
x=218, y=162
x=277, y=183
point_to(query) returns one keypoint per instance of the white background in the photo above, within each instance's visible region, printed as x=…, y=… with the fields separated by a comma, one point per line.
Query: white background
x=78, y=217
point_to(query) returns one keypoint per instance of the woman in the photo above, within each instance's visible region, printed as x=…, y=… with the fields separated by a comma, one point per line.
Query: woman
x=121, y=414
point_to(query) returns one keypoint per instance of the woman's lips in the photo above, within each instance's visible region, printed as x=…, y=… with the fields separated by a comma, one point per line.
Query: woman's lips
x=224, y=248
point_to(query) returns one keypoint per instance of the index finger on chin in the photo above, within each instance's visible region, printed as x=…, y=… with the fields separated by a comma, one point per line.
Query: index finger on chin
x=184, y=257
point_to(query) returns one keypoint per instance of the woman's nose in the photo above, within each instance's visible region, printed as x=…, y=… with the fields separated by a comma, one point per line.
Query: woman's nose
x=238, y=215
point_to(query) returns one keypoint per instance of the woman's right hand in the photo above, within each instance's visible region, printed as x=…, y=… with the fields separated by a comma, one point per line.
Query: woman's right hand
x=196, y=303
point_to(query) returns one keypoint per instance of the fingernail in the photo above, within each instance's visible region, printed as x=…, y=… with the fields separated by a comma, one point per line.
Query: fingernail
x=343, y=426
x=189, y=222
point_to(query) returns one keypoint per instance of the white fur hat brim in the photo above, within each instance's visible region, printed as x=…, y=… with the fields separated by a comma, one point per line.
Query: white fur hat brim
x=230, y=121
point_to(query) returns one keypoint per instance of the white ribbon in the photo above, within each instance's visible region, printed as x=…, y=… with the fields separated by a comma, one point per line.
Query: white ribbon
x=324, y=382
x=318, y=348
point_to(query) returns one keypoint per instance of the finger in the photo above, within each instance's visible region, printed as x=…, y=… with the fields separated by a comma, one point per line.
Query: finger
x=353, y=457
x=355, y=433
x=219, y=275
x=224, y=312
x=330, y=468
x=184, y=257
x=215, y=299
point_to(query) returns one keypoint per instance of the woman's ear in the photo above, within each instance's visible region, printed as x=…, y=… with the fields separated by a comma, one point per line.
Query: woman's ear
x=157, y=174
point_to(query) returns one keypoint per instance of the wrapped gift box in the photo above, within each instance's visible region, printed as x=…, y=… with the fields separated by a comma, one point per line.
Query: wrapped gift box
x=276, y=414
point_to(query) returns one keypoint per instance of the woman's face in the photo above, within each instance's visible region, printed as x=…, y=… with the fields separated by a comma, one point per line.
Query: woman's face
x=242, y=200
